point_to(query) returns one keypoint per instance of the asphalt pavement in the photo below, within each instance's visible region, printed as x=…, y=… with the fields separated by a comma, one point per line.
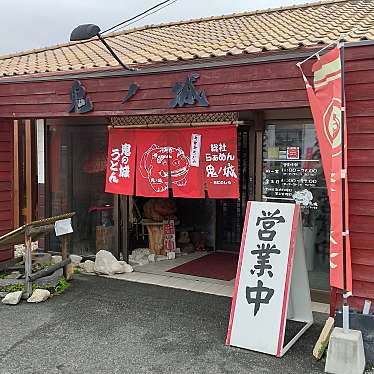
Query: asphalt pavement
x=102, y=325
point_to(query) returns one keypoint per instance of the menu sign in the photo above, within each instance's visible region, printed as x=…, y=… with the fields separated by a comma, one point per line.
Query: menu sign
x=292, y=180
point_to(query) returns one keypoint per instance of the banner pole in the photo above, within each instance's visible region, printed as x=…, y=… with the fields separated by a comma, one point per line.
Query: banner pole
x=342, y=121
x=343, y=181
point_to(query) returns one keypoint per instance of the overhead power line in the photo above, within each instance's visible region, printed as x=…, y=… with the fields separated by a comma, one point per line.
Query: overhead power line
x=162, y=4
x=145, y=16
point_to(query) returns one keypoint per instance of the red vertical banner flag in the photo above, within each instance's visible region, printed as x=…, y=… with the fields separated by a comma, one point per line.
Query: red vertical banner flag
x=221, y=162
x=325, y=98
x=186, y=172
x=152, y=171
x=120, y=173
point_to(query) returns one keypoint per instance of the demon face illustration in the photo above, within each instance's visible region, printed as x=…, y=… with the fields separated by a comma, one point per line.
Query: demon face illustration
x=156, y=163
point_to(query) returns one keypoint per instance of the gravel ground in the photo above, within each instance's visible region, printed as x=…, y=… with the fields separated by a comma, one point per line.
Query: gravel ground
x=102, y=325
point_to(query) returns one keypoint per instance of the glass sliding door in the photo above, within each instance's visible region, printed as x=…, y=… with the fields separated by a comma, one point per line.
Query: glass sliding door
x=292, y=172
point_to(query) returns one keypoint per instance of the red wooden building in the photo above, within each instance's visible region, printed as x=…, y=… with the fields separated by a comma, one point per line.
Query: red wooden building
x=51, y=158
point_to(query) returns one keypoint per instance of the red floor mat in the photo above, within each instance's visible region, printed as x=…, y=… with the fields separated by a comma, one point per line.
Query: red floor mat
x=215, y=265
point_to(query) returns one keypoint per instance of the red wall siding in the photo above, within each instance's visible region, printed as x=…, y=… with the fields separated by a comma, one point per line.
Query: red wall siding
x=6, y=172
x=360, y=123
x=257, y=86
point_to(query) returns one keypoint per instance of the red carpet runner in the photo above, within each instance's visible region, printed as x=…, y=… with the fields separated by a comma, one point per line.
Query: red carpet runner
x=215, y=265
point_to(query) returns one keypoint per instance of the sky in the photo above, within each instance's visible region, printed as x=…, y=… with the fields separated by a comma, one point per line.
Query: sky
x=29, y=24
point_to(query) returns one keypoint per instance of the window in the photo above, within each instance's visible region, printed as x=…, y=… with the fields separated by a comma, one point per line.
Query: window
x=292, y=172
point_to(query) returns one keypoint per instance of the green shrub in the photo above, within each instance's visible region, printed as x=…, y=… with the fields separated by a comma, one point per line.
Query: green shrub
x=60, y=287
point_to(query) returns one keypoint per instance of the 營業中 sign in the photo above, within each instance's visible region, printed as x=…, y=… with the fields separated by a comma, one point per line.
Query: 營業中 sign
x=271, y=286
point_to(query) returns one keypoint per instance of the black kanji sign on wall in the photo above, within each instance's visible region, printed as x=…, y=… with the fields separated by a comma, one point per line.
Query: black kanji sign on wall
x=80, y=103
x=187, y=94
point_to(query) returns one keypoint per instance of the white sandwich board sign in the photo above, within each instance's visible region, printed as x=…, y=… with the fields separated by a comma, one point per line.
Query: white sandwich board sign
x=271, y=285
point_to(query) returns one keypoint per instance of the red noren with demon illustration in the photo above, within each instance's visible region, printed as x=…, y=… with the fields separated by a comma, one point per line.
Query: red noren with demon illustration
x=156, y=163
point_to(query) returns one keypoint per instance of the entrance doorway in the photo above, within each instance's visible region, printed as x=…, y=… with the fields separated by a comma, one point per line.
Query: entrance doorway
x=208, y=231
x=231, y=212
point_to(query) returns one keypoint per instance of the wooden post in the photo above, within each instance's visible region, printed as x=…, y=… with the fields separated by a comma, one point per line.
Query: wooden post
x=28, y=264
x=28, y=157
x=259, y=128
x=15, y=175
x=65, y=256
x=124, y=208
x=117, y=225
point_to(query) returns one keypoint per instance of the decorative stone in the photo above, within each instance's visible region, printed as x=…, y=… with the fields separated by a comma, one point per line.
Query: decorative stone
x=139, y=253
x=13, y=275
x=106, y=263
x=56, y=259
x=41, y=258
x=170, y=255
x=140, y=256
x=152, y=257
x=38, y=296
x=88, y=266
x=50, y=280
x=161, y=258
x=12, y=298
x=75, y=259
x=126, y=267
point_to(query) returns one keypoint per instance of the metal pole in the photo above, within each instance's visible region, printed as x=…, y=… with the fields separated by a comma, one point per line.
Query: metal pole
x=342, y=121
x=343, y=181
x=109, y=48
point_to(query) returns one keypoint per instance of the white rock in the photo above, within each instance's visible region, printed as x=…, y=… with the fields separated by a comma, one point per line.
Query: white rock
x=12, y=298
x=106, y=263
x=38, y=296
x=56, y=259
x=126, y=267
x=75, y=259
x=141, y=262
x=170, y=255
x=152, y=257
x=88, y=266
x=161, y=258
x=139, y=253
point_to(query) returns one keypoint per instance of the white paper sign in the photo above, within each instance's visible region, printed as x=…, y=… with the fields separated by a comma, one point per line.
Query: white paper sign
x=263, y=292
x=63, y=227
x=195, y=150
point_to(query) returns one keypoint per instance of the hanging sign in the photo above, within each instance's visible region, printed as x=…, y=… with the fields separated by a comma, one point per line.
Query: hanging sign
x=63, y=227
x=120, y=174
x=271, y=285
x=221, y=162
x=169, y=236
x=181, y=160
x=325, y=100
x=186, y=175
x=152, y=171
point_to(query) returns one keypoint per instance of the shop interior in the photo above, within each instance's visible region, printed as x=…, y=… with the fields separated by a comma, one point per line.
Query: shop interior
x=210, y=228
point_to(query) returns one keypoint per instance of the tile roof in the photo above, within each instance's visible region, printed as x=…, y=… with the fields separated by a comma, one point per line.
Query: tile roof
x=266, y=30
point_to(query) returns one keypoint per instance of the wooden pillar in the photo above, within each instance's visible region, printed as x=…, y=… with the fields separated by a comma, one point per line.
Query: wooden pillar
x=124, y=204
x=65, y=255
x=16, y=212
x=117, y=225
x=28, y=263
x=259, y=130
x=28, y=161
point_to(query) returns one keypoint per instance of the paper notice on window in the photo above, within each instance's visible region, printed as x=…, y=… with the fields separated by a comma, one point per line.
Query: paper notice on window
x=63, y=227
